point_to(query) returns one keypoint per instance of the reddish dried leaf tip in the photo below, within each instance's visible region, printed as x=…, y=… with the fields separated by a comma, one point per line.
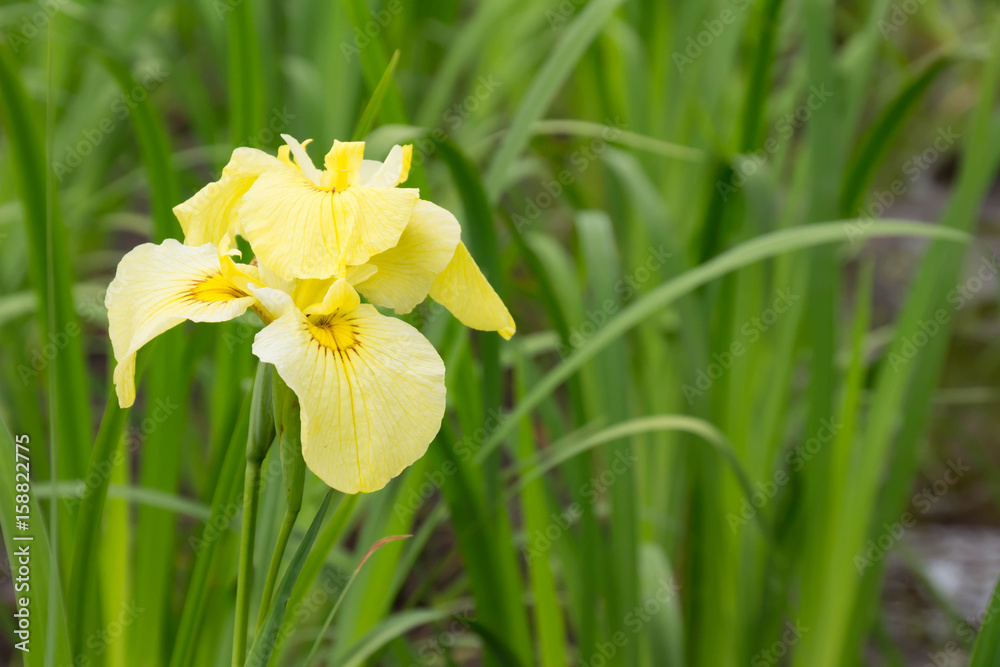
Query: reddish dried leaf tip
x=378, y=545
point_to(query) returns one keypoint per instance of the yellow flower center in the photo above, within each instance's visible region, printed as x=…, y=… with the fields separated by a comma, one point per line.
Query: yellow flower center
x=217, y=288
x=335, y=332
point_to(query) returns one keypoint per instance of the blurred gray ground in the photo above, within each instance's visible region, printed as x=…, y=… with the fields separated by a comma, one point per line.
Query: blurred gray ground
x=940, y=578
x=958, y=563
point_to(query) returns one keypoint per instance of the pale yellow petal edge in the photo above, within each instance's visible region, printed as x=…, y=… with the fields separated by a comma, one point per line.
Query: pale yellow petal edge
x=463, y=289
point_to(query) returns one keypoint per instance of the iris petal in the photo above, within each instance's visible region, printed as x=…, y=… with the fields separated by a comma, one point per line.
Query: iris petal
x=371, y=391
x=395, y=169
x=159, y=286
x=212, y=212
x=463, y=289
x=300, y=230
x=407, y=270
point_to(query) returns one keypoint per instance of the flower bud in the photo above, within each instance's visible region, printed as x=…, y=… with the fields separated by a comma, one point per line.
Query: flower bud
x=261, y=432
x=293, y=466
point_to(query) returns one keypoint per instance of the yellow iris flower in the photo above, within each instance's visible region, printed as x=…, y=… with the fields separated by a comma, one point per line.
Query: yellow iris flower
x=371, y=387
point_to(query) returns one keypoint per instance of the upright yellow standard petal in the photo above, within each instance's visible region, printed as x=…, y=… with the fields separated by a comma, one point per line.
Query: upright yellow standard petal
x=301, y=230
x=340, y=297
x=463, y=289
x=159, y=286
x=289, y=222
x=371, y=390
x=406, y=271
x=378, y=216
x=395, y=169
x=212, y=212
x=343, y=163
x=301, y=159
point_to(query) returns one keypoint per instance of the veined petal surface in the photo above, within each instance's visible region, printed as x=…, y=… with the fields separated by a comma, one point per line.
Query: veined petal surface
x=213, y=211
x=159, y=286
x=300, y=230
x=407, y=270
x=371, y=391
x=378, y=216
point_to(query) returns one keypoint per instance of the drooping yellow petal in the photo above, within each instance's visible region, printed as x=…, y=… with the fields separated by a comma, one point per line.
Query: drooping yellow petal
x=212, y=212
x=463, y=289
x=159, y=286
x=300, y=230
x=406, y=271
x=371, y=391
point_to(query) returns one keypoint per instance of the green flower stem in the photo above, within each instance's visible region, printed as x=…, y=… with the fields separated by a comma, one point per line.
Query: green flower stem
x=293, y=468
x=265, y=641
x=244, y=578
x=258, y=441
x=272, y=571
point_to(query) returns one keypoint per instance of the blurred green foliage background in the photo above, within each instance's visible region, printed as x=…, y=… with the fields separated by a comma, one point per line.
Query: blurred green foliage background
x=735, y=388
